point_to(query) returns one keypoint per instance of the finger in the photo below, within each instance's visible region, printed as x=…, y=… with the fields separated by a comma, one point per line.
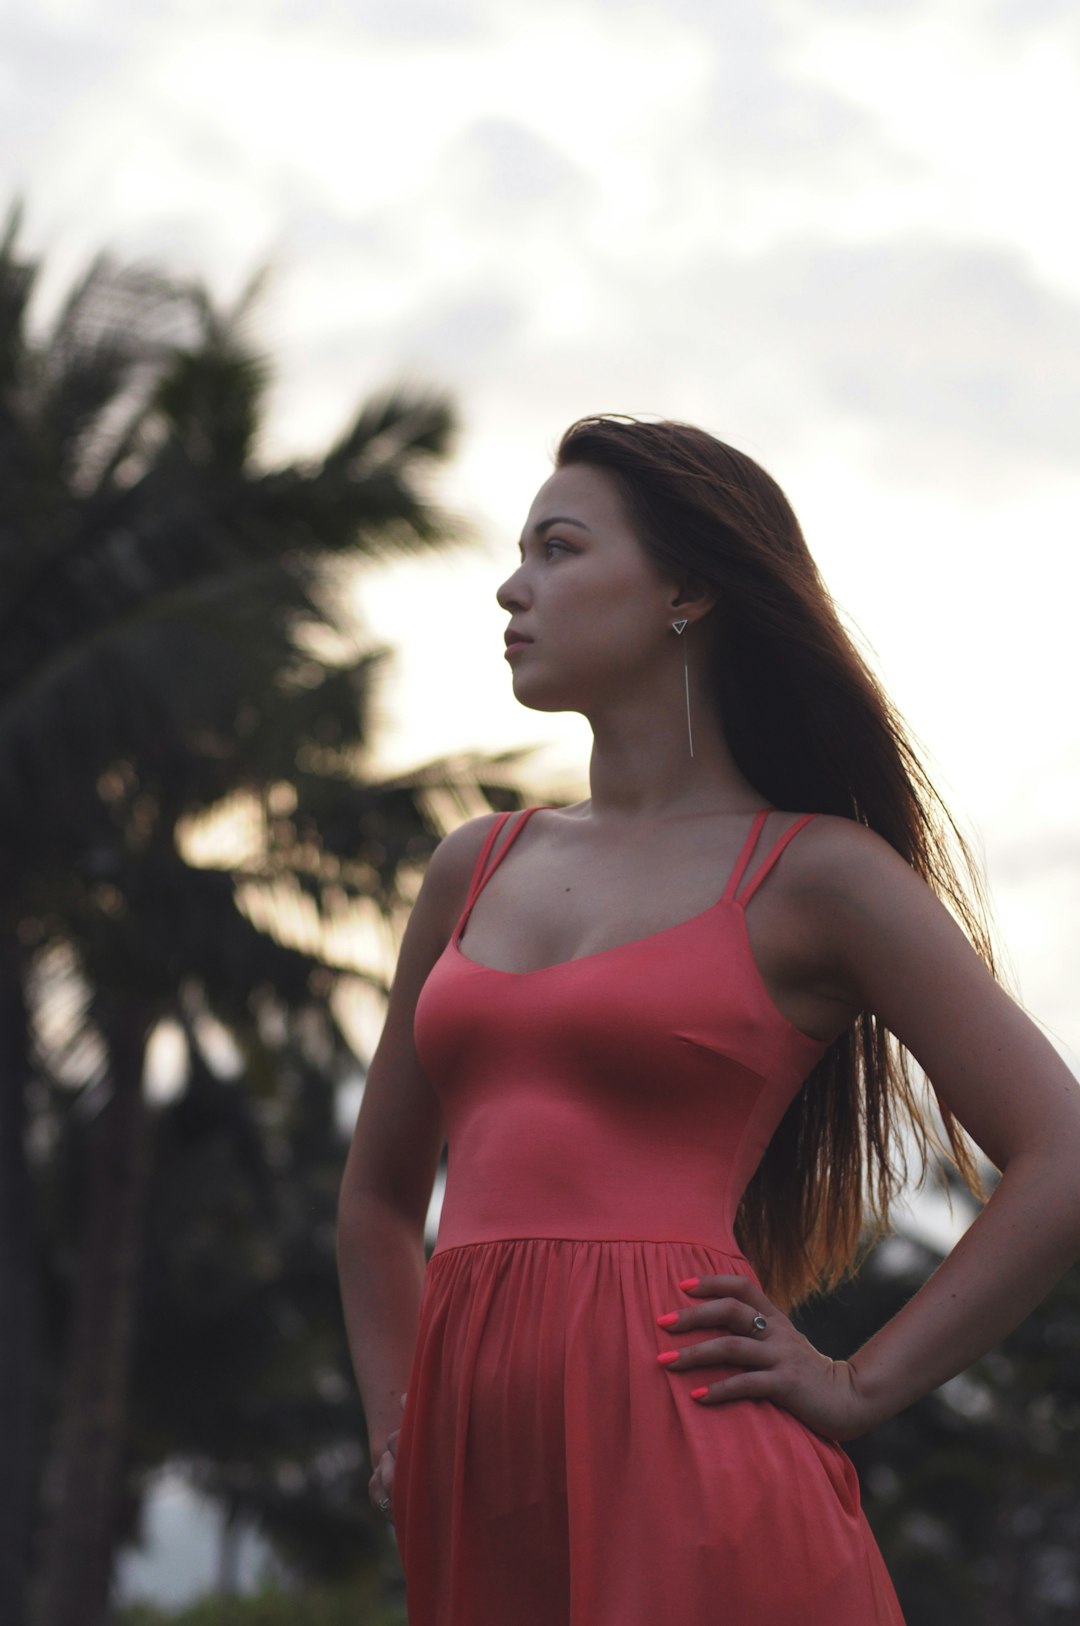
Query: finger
x=748, y=1352
x=381, y=1493
x=736, y=1287
x=757, y=1385
x=732, y=1313
x=732, y=1351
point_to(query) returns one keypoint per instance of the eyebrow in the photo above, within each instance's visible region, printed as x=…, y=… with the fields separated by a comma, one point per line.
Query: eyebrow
x=556, y=519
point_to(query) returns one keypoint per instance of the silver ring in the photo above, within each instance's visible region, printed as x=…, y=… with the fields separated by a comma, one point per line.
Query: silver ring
x=383, y=1505
x=759, y=1323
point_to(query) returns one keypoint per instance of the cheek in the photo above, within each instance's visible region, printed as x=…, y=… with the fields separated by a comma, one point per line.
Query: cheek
x=595, y=618
x=620, y=621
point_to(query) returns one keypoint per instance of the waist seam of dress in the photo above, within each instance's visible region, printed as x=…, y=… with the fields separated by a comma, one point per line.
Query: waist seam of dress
x=595, y=1241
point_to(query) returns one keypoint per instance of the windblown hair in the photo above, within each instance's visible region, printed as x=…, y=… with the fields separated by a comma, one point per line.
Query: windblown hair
x=811, y=728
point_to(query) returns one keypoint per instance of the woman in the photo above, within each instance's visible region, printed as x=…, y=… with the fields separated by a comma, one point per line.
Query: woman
x=654, y=1029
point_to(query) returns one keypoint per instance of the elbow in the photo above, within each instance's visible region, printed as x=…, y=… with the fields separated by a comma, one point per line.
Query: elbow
x=363, y=1212
x=1048, y=1174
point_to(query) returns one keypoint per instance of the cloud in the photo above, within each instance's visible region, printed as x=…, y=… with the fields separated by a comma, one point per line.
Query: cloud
x=762, y=123
x=48, y=64
x=421, y=21
x=497, y=166
x=952, y=361
x=465, y=334
x=956, y=348
x=706, y=234
x=1031, y=15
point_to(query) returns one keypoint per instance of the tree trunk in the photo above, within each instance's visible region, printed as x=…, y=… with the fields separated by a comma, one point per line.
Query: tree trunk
x=228, y=1577
x=1008, y=1591
x=82, y=1488
x=17, y=1300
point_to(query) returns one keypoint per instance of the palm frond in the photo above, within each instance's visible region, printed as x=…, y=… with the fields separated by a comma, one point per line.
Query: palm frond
x=247, y=301
x=116, y=330
x=395, y=429
x=17, y=279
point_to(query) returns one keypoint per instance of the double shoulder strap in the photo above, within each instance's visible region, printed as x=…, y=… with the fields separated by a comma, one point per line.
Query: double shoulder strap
x=769, y=860
x=481, y=872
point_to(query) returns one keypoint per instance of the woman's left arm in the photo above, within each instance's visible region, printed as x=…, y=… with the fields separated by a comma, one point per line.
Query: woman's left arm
x=903, y=955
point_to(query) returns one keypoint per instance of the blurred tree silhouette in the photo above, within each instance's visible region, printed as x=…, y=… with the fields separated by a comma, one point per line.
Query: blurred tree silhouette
x=242, y=1369
x=314, y=1607
x=171, y=641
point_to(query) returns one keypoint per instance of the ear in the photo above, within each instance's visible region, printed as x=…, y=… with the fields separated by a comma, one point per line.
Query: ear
x=692, y=601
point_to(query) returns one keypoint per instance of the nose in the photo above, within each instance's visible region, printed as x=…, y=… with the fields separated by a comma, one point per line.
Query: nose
x=510, y=596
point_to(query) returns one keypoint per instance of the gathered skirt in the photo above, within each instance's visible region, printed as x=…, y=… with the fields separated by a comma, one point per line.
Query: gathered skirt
x=550, y=1472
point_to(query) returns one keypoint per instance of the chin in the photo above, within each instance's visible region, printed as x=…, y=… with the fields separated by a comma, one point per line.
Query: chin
x=535, y=698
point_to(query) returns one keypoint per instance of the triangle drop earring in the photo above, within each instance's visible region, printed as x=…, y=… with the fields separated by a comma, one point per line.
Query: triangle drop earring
x=680, y=628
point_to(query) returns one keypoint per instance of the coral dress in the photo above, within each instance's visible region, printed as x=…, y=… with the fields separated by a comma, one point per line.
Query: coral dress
x=603, y=1117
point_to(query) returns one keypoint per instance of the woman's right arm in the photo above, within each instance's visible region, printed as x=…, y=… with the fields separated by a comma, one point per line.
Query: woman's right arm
x=394, y=1156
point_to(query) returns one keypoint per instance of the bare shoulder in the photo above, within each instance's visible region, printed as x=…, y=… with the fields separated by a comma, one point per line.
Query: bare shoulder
x=399, y=1131
x=434, y=912
x=834, y=857
x=891, y=942
x=461, y=848
x=902, y=953
x=848, y=898
x=450, y=868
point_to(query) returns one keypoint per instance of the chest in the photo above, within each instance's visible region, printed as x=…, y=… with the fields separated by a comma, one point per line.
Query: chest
x=667, y=1006
x=547, y=909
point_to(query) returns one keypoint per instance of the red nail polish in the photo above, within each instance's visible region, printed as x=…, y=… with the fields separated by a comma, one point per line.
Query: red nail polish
x=668, y=1320
x=691, y=1281
x=668, y=1356
x=696, y=1394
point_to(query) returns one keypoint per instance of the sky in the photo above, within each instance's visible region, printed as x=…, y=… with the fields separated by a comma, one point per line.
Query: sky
x=838, y=235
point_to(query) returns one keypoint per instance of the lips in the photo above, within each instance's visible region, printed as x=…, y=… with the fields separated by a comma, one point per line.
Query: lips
x=512, y=636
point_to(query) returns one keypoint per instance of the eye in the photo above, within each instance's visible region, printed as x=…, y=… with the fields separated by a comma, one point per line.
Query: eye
x=546, y=545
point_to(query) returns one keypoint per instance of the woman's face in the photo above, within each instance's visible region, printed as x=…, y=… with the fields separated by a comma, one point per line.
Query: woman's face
x=595, y=609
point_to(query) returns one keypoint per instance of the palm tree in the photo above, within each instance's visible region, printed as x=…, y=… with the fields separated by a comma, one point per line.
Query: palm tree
x=241, y=1364
x=166, y=601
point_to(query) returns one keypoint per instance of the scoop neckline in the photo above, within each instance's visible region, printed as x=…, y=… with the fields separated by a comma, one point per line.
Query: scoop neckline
x=650, y=937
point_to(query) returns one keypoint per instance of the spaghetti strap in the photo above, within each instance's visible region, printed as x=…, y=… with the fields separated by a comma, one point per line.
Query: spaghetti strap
x=476, y=882
x=481, y=876
x=744, y=857
x=770, y=859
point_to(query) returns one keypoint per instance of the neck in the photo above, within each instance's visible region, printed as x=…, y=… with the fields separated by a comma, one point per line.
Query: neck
x=641, y=764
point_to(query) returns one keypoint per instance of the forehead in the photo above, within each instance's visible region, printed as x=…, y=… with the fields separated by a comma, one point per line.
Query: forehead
x=582, y=492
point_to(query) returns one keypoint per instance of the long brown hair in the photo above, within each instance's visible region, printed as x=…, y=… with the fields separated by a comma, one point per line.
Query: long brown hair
x=811, y=728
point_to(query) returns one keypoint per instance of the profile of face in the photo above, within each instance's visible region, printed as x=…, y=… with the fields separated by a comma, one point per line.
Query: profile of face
x=596, y=610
